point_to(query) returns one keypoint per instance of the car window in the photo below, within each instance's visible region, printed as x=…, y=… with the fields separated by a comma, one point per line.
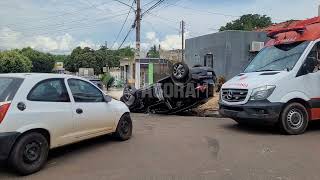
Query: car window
x=8, y=88
x=83, y=91
x=51, y=90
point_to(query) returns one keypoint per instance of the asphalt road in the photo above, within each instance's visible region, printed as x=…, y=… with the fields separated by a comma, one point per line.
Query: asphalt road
x=178, y=148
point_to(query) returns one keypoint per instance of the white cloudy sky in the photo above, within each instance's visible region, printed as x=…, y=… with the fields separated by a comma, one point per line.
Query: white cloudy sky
x=57, y=26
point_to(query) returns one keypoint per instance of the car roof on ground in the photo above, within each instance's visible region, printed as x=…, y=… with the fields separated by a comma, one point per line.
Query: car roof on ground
x=35, y=75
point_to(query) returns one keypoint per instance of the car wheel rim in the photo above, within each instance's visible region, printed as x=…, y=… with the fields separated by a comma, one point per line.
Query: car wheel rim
x=125, y=127
x=32, y=152
x=295, y=119
x=178, y=71
x=127, y=94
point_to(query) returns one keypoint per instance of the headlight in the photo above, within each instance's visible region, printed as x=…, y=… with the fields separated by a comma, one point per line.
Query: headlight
x=262, y=93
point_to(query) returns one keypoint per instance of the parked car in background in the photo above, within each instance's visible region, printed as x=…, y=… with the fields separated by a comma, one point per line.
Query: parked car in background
x=39, y=112
x=183, y=90
x=97, y=82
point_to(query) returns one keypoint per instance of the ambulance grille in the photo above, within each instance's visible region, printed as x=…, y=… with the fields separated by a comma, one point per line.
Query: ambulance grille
x=234, y=95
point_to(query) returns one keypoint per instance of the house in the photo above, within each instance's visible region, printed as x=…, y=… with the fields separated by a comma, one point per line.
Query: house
x=86, y=72
x=115, y=72
x=145, y=71
x=59, y=68
x=127, y=74
x=172, y=55
x=227, y=52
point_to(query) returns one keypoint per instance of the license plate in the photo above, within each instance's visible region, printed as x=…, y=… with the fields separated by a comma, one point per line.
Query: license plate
x=209, y=73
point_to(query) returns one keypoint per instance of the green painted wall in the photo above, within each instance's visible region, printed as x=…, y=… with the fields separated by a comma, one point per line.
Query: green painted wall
x=150, y=73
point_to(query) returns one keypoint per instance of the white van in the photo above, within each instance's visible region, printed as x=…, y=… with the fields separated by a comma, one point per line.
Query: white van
x=282, y=84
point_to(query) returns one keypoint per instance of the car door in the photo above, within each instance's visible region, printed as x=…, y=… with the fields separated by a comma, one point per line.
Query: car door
x=48, y=104
x=91, y=112
x=309, y=75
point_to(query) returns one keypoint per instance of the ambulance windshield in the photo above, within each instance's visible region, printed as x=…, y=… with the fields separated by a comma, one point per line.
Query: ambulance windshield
x=277, y=58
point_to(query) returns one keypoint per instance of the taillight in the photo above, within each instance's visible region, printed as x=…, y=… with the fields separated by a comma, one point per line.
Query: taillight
x=3, y=111
x=202, y=88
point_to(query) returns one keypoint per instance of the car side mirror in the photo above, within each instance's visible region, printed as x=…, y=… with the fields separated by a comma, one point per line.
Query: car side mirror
x=107, y=98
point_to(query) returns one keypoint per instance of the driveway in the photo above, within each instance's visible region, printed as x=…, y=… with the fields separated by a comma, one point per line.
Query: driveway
x=175, y=147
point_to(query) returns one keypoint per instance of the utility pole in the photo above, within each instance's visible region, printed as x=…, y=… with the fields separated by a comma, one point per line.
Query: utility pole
x=182, y=34
x=105, y=70
x=138, y=29
x=137, y=54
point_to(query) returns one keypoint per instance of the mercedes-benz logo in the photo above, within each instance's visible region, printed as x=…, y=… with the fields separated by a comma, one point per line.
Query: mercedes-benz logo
x=229, y=95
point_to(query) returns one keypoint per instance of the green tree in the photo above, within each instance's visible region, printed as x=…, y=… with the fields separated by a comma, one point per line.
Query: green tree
x=41, y=62
x=14, y=62
x=97, y=59
x=153, y=52
x=83, y=58
x=60, y=58
x=107, y=80
x=248, y=22
x=70, y=63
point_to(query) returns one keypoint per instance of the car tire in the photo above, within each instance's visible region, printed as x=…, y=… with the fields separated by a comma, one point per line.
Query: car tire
x=29, y=154
x=180, y=73
x=294, y=119
x=124, y=128
x=128, y=95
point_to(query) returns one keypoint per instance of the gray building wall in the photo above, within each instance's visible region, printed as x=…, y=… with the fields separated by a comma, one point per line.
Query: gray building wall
x=230, y=50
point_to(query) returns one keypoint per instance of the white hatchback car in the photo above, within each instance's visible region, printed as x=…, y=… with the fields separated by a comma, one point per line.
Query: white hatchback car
x=39, y=112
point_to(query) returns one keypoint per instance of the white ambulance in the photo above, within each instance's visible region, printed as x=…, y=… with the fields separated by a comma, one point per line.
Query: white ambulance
x=281, y=86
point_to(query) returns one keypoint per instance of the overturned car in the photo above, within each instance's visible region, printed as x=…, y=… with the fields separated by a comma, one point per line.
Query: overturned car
x=183, y=90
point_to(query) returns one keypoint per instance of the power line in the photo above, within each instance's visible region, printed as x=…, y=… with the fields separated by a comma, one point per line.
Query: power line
x=153, y=28
x=63, y=24
x=124, y=40
x=212, y=12
x=152, y=7
x=207, y=12
x=169, y=4
x=152, y=1
x=75, y=12
x=165, y=21
x=164, y=18
x=188, y=31
x=80, y=26
x=124, y=4
x=125, y=21
x=67, y=13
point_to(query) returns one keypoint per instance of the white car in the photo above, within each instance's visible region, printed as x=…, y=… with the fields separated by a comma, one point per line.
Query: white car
x=39, y=112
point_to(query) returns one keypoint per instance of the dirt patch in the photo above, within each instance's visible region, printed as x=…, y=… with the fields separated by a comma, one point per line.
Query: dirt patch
x=208, y=109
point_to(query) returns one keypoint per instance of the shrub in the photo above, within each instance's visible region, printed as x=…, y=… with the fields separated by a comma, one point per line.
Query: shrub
x=14, y=62
x=107, y=80
x=221, y=81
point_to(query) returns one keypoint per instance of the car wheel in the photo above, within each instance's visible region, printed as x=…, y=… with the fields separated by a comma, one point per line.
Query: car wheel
x=128, y=97
x=180, y=72
x=294, y=119
x=29, y=154
x=124, y=128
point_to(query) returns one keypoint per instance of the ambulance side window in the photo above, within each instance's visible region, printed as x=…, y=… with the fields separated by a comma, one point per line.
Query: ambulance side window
x=314, y=56
x=312, y=62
